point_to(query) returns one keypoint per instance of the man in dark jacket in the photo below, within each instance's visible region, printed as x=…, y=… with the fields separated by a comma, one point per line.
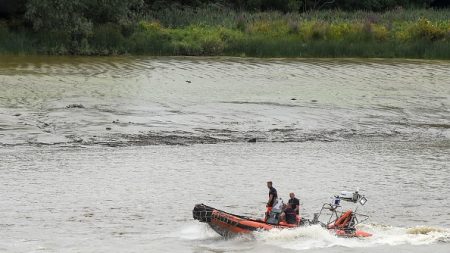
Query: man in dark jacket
x=289, y=215
x=272, y=198
x=272, y=194
x=294, y=202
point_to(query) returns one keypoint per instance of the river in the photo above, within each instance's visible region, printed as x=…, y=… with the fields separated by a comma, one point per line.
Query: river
x=110, y=154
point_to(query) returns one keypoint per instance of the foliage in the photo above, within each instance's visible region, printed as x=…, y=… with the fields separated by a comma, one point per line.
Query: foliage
x=424, y=29
x=74, y=20
x=75, y=27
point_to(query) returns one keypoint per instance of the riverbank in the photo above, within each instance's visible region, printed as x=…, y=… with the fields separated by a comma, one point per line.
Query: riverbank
x=139, y=101
x=419, y=34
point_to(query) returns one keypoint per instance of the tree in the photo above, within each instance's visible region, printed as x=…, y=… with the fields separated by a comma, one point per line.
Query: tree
x=9, y=8
x=317, y=4
x=58, y=15
x=112, y=11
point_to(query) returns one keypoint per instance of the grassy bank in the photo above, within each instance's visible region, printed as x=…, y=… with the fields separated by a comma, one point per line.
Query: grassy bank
x=400, y=33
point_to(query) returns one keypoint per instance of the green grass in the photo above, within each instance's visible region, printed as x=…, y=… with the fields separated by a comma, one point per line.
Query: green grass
x=14, y=42
x=423, y=34
x=228, y=18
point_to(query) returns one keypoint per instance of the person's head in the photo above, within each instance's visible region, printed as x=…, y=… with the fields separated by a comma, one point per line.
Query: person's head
x=269, y=184
x=291, y=195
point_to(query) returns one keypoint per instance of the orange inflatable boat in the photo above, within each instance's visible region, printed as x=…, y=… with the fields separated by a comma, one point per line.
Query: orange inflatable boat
x=343, y=224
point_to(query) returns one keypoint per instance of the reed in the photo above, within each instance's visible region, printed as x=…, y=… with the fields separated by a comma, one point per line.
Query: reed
x=210, y=32
x=14, y=42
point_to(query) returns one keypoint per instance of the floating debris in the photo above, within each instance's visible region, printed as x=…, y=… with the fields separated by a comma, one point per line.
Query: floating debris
x=75, y=106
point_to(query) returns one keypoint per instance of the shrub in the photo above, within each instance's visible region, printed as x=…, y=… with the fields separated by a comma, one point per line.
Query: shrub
x=315, y=30
x=241, y=23
x=108, y=39
x=293, y=27
x=426, y=30
x=152, y=26
x=380, y=32
x=149, y=37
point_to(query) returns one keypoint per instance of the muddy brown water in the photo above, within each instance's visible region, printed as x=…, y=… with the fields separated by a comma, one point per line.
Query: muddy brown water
x=111, y=154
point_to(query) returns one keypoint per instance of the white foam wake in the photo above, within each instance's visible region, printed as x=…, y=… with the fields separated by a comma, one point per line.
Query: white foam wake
x=317, y=237
x=196, y=231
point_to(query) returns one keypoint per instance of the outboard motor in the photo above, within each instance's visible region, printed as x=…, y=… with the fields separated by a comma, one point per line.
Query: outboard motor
x=315, y=219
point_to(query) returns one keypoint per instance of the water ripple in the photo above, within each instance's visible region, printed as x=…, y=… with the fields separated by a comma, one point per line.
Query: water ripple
x=232, y=98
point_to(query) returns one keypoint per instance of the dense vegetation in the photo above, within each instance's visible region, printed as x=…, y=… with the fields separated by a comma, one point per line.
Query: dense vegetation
x=271, y=28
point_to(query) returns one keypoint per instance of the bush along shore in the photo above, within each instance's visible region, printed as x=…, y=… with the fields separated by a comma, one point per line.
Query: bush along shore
x=399, y=33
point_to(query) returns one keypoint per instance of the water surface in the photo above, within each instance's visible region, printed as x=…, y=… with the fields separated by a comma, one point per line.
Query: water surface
x=111, y=154
x=210, y=100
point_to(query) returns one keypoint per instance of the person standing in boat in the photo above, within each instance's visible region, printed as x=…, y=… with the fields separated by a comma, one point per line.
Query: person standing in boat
x=294, y=202
x=272, y=198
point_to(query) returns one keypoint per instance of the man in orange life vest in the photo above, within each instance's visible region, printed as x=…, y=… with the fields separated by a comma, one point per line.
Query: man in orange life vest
x=272, y=198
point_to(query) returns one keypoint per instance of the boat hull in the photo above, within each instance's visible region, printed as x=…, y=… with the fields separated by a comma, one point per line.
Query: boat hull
x=229, y=225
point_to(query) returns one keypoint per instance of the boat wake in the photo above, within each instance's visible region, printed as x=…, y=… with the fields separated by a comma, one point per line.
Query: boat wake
x=315, y=237
x=197, y=232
